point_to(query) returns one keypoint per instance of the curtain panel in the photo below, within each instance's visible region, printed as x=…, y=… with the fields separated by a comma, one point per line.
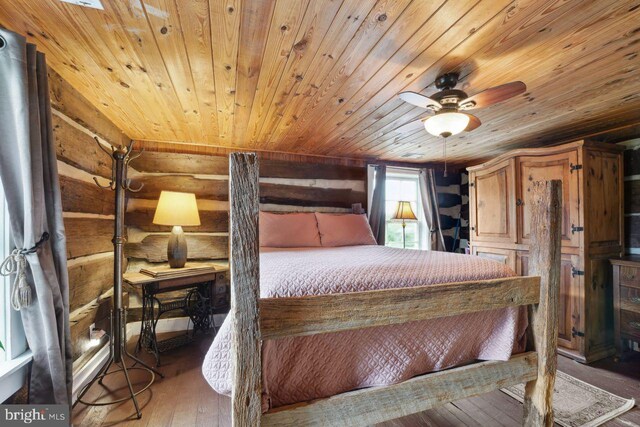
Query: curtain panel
x=29, y=174
x=377, y=218
x=429, y=199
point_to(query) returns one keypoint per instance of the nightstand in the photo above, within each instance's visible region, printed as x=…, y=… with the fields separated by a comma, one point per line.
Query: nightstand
x=626, y=301
x=204, y=297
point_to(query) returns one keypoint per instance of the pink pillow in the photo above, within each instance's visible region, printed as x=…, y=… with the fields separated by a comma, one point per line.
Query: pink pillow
x=290, y=230
x=344, y=230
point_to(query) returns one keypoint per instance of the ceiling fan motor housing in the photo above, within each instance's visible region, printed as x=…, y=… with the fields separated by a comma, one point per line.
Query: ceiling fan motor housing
x=449, y=97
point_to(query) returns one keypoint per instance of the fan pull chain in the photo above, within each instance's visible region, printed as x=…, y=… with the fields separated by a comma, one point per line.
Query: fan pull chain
x=444, y=150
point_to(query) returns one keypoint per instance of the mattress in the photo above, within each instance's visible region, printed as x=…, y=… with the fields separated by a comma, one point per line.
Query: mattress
x=305, y=368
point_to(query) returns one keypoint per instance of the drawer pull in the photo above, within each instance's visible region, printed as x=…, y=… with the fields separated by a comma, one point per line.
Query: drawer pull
x=635, y=300
x=635, y=325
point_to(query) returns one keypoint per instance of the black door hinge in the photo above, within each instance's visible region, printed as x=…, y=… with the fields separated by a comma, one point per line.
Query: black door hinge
x=575, y=228
x=576, y=333
x=573, y=167
x=575, y=272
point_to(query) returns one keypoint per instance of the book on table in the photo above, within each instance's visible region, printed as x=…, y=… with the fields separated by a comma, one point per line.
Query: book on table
x=166, y=271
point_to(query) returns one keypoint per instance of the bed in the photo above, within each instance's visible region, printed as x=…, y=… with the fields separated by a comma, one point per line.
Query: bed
x=268, y=320
x=310, y=367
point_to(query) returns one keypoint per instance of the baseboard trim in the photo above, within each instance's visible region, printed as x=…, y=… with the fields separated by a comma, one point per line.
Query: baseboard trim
x=90, y=369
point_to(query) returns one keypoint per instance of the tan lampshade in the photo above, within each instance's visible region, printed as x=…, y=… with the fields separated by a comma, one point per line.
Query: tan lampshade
x=404, y=211
x=177, y=209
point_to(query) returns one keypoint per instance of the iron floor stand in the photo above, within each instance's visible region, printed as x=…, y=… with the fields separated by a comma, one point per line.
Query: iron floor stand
x=117, y=358
x=118, y=355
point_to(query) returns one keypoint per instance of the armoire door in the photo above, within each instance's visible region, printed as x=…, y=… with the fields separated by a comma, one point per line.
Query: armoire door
x=503, y=256
x=570, y=328
x=492, y=201
x=560, y=166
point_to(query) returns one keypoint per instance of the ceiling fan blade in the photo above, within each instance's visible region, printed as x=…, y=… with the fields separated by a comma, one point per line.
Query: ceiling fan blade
x=420, y=100
x=474, y=122
x=410, y=127
x=493, y=95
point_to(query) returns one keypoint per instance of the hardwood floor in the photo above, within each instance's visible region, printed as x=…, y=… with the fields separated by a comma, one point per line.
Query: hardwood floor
x=183, y=398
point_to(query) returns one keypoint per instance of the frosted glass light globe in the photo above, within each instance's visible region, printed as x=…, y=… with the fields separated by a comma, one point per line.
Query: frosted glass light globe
x=446, y=124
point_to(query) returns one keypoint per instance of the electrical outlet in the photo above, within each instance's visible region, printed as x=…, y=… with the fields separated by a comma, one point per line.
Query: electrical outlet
x=91, y=328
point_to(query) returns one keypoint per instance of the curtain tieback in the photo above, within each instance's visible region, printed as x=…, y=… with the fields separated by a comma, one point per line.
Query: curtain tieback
x=16, y=263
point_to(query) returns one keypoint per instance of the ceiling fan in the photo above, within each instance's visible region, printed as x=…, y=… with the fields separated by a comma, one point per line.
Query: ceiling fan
x=449, y=104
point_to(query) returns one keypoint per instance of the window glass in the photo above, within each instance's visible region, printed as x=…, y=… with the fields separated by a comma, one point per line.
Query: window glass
x=403, y=186
x=11, y=330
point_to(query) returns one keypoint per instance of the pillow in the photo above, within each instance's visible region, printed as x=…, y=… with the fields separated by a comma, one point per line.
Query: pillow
x=344, y=230
x=290, y=230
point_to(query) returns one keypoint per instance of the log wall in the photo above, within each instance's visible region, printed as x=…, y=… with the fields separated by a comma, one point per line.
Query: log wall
x=88, y=210
x=285, y=186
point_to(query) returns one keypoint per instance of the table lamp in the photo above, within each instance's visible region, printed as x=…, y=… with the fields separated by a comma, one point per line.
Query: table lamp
x=177, y=209
x=404, y=212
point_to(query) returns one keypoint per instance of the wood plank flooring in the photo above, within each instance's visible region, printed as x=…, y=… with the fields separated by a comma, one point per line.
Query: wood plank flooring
x=183, y=398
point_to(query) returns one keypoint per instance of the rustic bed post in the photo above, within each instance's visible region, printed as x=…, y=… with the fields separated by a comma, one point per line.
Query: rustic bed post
x=544, y=261
x=246, y=354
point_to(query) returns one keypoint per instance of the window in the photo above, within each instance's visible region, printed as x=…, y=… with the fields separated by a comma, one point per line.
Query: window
x=402, y=185
x=15, y=356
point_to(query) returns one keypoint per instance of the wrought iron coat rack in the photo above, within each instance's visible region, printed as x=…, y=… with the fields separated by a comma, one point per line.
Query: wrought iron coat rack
x=118, y=354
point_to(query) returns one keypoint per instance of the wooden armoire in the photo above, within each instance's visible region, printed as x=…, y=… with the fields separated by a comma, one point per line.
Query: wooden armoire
x=592, y=230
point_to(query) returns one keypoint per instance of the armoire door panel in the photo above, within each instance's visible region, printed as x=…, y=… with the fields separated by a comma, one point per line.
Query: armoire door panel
x=569, y=317
x=541, y=168
x=604, y=186
x=492, y=193
x=503, y=256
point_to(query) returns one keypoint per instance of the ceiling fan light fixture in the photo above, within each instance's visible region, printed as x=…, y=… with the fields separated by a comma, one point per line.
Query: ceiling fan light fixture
x=446, y=124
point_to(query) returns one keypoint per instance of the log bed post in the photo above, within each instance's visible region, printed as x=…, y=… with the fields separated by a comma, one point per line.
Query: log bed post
x=544, y=261
x=246, y=350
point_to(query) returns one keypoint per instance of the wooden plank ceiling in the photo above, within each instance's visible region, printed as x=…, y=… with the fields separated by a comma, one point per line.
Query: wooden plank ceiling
x=322, y=76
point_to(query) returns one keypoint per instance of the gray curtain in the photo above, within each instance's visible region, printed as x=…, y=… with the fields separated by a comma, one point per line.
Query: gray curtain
x=429, y=199
x=377, y=218
x=29, y=175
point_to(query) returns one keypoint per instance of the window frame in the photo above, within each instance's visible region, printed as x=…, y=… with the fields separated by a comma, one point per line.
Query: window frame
x=15, y=359
x=408, y=174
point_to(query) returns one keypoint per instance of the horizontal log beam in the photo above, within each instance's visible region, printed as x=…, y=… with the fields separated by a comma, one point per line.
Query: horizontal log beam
x=310, y=196
x=153, y=248
x=87, y=197
x=208, y=189
x=377, y=404
x=87, y=236
x=316, y=314
x=210, y=221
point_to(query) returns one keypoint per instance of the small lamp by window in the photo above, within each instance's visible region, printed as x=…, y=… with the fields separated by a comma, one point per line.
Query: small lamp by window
x=405, y=213
x=177, y=210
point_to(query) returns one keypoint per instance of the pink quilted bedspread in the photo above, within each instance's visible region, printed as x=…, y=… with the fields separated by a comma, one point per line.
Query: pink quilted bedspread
x=306, y=368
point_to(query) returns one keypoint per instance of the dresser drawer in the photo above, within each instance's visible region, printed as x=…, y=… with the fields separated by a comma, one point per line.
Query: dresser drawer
x=630, y=276
x=630, y=299
x=630, y=323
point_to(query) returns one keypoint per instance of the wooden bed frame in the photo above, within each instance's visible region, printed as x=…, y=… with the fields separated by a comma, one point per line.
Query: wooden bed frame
x=255, y=319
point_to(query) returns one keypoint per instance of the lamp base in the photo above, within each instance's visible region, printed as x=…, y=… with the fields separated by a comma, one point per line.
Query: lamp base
x=177, y=248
